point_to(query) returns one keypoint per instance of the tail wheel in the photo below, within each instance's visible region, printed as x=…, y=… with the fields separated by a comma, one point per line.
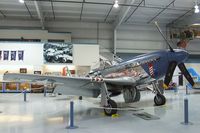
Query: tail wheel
x=111, y=108
x=159, y=99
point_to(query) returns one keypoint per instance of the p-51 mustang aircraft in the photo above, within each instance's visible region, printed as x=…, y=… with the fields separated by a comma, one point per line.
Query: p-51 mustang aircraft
x=125, y=78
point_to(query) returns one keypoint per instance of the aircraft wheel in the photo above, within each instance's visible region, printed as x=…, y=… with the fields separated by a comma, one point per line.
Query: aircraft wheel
x=111, y=108
x=159, y=99
x=137, y=97
x=80, y=97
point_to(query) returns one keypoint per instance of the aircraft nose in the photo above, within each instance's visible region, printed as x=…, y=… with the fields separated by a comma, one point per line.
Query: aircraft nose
x=182, y=55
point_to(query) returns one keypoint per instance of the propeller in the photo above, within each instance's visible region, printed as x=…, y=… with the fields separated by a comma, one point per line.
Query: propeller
x=173, y=64
x=170, y=71
x=186, y=73
x=157, y=26
x=169, y=74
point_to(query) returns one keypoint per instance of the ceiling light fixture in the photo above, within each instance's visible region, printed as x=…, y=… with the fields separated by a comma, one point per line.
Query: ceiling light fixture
x=196, y=8
x=21, y=1
x=116, y=5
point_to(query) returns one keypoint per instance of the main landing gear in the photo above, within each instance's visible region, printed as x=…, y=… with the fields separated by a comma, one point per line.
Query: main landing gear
x=109, y=104
x=159, y=98
x=111, y=108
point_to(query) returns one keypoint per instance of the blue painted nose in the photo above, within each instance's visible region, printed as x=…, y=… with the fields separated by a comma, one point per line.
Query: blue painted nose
x=181, y=55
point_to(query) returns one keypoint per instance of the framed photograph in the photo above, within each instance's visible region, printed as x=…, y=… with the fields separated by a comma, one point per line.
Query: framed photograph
x=21, y=55
x=37, y=72
x=57, y=53
x=13, y=55
x=23, y=70
x=5, y=55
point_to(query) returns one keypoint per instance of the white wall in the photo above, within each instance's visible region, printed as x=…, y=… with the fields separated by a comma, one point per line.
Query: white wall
x=33, y=56
x=85, y=55
x=33, y=53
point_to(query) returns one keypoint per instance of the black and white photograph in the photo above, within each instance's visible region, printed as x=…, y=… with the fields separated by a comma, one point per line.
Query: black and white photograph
x=57, y=53
x=13, y=55
x=5, y=55
x=21, y=55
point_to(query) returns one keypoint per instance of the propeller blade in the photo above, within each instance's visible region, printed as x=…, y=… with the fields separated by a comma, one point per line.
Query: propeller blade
x=157, y=26
x=169, y=74
x=186, y=73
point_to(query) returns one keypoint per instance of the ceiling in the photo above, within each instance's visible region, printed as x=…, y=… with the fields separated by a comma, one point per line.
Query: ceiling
x=140, y=11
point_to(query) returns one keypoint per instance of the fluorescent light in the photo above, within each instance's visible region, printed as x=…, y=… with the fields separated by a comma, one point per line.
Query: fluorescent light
x=116, y=5
x=196, y=24
x=21, y=1
x=196, y=9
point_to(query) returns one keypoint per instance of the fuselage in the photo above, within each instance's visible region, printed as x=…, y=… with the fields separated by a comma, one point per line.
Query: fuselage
x=154, y=64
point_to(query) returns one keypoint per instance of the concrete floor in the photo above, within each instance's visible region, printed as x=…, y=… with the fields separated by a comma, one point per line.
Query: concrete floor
x=51, y=114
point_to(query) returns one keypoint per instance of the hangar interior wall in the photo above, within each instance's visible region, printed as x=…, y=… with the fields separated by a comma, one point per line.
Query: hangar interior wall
x=130, y=38
x=84, y=55
x=138, y=38
x=43, y=35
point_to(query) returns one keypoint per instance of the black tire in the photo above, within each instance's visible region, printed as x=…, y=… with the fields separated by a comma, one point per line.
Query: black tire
x=80, y=98
x=159, y=100
x=137, y=97
x=112, y=105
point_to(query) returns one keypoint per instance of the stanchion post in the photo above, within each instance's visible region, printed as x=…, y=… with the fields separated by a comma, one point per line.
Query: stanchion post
x=186, y=121
x=186, y=90
x=45, y=91
x=71, y=117
x=24, y=95
x=186, y=113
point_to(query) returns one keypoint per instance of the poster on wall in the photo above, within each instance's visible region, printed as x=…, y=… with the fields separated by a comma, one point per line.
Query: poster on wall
x=21, y=55
x=13, y=55
x=0, y=54
x=5, y=55
x=57, y=53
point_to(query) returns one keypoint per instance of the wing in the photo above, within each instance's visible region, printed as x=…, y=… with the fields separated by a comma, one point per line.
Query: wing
x=82, y=86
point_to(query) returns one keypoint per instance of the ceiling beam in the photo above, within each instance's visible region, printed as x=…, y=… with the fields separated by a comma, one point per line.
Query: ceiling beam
x=111, y=4
x=52, y=8
x=82, y=10
x=108, y=13
x=172, y=23
x=161, y=11
x=134, y=11
x=40, y=14
x=28, y=9
x=1, y=12
x=122, y=14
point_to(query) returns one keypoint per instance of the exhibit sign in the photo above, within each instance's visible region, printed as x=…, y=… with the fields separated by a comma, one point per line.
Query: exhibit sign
x=57, y=53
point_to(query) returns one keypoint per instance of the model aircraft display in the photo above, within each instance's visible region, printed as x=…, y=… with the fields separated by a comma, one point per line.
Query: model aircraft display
x=125, y=77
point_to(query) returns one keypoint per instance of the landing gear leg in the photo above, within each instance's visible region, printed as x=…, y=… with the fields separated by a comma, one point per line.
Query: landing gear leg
x=110, y=105
x=159, y=99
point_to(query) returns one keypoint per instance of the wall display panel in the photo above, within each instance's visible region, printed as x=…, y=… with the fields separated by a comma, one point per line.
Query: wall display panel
x=21, y=53
x=57, y=53
x=85, y=54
